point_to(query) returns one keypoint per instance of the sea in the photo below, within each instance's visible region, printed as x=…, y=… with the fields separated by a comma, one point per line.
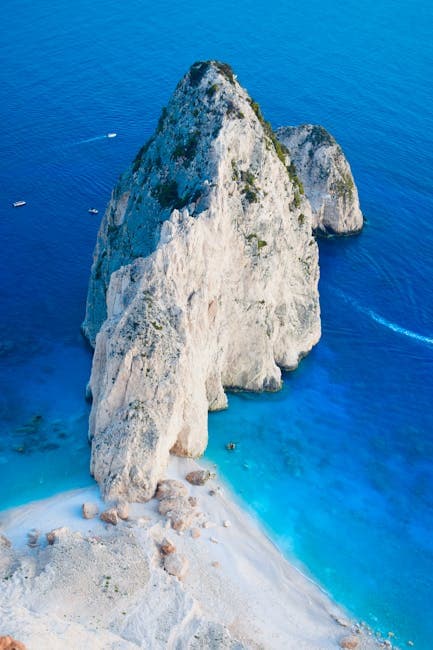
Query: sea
x=338, y=465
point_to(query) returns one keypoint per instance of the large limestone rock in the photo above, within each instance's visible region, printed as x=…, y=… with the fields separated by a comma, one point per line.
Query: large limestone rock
x=326, y=177
x=205, y=276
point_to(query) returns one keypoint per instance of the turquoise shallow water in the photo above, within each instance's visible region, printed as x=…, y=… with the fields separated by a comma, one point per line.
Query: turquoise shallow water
x=339, y=464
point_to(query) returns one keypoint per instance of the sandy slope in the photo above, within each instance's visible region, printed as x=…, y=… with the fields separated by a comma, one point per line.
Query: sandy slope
x=103, y=587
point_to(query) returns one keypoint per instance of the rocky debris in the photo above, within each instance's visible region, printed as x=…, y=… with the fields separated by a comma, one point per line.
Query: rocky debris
x=110, y=516
x=175, y=504
x=350, y=642
x=123, y=511
x=226, y=523
x=209, y=225
x=231, y=446
x=195, y=533
x=171, y=488
x=57, y=534
x=181, y=519
x=216, y=565
x=167, y=547
x=326, y=177
x=169, y=504
x=89, y=510
x=213, y=540
x=33, y=537
x=5, y=542
x=176, y=565
x=199, y=477
x=8, y=643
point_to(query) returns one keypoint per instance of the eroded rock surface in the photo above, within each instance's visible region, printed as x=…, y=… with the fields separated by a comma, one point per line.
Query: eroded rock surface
x=326, y=177
x=205, y=276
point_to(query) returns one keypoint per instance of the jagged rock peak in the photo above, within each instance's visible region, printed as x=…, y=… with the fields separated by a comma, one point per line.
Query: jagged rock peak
x=204, y=277
x=326, y=176
x=173, y=171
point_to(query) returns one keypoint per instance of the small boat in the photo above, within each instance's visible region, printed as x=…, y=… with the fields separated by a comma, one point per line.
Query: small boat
x=18, y=204
x=111, y=135
x=93, y=211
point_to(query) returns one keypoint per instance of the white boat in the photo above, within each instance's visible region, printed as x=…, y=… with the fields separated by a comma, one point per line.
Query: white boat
x=93, y=211
x=111, y=135
x=18, y=204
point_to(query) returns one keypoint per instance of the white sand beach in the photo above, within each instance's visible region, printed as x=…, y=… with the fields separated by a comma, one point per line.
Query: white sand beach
x=104, y=587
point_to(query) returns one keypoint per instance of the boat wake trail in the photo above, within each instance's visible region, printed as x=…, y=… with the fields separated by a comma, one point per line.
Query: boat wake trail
x=427, y=340
x=396, y=328
x=97, y=137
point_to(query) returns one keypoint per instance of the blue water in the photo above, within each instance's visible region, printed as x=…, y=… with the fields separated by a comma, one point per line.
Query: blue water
x=339, y=464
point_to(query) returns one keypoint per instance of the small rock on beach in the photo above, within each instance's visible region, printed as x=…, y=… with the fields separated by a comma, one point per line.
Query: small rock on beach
x=167, y=548
x=56, y=534
x=198, y=477
x=110, y=516
x=89, y=510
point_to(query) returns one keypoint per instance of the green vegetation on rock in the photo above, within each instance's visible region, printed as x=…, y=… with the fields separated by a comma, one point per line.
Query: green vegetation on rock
x=187, y=150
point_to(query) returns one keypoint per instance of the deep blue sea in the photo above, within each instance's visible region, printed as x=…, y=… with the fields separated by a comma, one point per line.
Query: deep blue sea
x=338, y=465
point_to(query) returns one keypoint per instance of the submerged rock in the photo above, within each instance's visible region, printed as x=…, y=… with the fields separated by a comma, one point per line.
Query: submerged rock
x=205, y=276
x=326, y=177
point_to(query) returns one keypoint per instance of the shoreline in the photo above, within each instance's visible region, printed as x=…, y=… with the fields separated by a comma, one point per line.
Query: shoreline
x=238, y=588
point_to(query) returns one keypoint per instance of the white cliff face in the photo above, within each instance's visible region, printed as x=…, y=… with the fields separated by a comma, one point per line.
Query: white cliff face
x=205, y=276
x=326, y=176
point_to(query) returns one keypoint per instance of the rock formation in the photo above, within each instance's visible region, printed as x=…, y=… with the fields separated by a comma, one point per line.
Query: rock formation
x=326, y=177
x=204, y=277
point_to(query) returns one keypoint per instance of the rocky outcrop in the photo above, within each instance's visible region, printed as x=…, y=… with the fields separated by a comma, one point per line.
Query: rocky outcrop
x=204, y=277
x=326, y=177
